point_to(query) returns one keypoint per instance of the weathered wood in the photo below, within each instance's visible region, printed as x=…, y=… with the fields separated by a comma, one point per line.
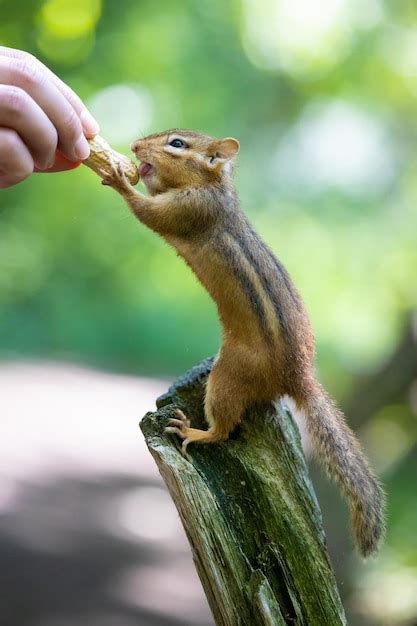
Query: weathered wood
x=250, y=514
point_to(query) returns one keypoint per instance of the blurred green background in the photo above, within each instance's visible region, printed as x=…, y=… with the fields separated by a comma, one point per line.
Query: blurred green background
x=322, y=97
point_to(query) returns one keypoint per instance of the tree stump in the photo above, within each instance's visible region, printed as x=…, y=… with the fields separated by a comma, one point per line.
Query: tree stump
x=250, y=513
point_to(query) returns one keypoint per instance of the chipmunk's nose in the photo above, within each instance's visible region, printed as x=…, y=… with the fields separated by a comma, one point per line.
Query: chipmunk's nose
x=135, y=146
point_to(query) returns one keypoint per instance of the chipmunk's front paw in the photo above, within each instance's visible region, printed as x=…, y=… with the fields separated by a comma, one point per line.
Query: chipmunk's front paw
x=179, y=426
x=117, y=179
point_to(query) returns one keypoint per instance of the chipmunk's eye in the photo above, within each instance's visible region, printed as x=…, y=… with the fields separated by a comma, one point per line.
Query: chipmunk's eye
x=178, y=143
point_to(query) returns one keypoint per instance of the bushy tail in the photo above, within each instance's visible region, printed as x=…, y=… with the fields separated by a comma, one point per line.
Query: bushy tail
x=339, y=451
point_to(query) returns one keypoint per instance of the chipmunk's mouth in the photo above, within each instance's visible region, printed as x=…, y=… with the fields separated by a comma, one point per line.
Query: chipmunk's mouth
x=144, y=169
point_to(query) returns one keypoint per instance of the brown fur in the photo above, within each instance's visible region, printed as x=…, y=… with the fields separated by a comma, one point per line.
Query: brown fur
x=268, y=347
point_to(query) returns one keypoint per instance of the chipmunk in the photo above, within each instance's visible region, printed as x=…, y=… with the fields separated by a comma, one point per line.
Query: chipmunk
x=268, y=346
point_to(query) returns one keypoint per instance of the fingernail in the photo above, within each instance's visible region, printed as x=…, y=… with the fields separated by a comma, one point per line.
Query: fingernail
x=48, y=164
x=90, y=125
x=51, y=162
x=81, y=148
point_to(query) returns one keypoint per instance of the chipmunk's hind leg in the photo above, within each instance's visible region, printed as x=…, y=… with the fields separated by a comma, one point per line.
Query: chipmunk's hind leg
x=223, y=412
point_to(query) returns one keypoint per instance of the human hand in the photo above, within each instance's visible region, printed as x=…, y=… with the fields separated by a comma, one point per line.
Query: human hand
x=43, y=123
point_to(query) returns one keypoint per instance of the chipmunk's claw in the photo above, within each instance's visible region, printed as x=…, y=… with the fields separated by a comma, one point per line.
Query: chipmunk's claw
x=179, y=427
x=117, y=178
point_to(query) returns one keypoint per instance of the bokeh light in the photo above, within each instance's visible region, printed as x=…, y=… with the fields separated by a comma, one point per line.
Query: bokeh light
x=336, y=145
x=124, y=111
x=66, y=29
x=301, y=37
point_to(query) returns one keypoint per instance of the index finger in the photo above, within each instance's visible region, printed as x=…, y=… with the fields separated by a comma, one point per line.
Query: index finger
x=60, y=164
x=89, y=124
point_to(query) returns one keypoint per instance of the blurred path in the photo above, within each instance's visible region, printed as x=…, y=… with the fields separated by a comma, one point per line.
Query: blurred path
x=88, y=535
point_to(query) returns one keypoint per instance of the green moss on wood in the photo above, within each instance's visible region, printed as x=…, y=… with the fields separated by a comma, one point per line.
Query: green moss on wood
x=250, y=514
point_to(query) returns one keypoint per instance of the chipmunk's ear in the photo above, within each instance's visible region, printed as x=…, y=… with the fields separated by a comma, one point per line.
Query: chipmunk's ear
x=222, y=150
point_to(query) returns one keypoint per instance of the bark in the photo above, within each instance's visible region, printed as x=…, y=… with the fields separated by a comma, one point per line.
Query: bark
x=250, y=514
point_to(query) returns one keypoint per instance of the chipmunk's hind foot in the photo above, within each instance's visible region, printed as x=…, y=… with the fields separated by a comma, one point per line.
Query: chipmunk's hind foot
x=181, y=426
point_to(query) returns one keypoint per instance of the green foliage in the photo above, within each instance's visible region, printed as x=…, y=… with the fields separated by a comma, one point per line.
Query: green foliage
x=323, y=102
x=80, y=276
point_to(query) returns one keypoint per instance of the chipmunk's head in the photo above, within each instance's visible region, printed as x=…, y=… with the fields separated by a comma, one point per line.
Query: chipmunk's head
x=177, y=159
